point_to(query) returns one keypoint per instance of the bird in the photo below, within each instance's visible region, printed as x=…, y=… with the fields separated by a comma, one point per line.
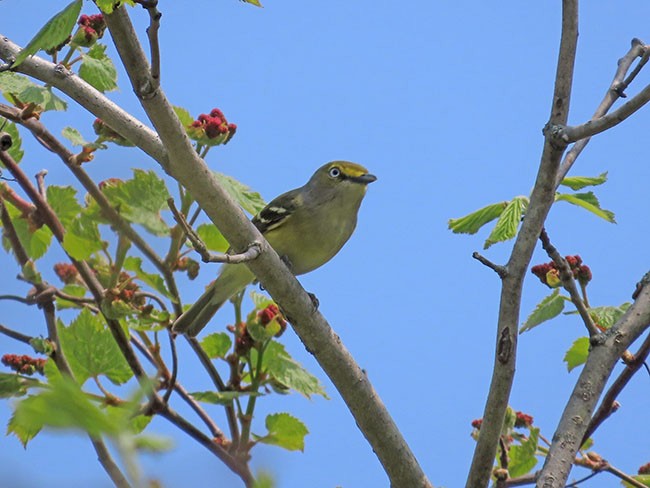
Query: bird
x=306, y=226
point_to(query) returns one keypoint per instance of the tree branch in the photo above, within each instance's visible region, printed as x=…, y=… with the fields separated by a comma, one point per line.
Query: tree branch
x=576, y=417
x=615, y=91
x=184, y=164
x=541, y=200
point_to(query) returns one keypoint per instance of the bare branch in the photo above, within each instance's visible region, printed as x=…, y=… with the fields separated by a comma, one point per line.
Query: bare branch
x=252, y=250
x=497, y=268
x=614, y=92
x=541, y=200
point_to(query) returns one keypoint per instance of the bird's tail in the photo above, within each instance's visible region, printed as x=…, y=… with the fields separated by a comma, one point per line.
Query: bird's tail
x=232, y=279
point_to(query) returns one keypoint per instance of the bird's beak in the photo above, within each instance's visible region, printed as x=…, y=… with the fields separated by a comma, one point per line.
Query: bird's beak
x=364, y=179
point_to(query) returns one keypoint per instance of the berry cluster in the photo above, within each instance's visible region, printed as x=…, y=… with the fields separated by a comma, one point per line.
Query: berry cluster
x=24, y=364
x=549, y=274
x=66, y=273
x=270, y=313
x=91, y=28
x=211, y=129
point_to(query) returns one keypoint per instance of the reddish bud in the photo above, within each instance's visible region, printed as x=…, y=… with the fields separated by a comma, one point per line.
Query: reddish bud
x=523, y=420
x=66, y=272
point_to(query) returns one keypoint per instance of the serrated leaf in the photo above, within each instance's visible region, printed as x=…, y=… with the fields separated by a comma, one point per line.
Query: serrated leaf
x=281, y=366
x=43, y=97
x=471, y=223
x=64, y=406
x=53, y=33
x=577, y=353
x=183, y=115
x=260, y=301
x=140, y=200
x=74, y=136
x=580, y=182
x=550, y=307
x=82, y=238
x=212, y=238
x=92, y=351
x=154, y=280
x=508, y=223
x=522, y=456
x=98, y=69
x=248, y=199
x=35, y=241
x=606, y=317
x=15, y=151
x=221, y=397
x=589, y=202
x=216, y=345
x=285, y=431
x=15, y=385
x=64, y=202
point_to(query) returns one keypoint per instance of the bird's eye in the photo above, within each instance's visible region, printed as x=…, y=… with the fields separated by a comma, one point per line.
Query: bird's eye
x=334, y=172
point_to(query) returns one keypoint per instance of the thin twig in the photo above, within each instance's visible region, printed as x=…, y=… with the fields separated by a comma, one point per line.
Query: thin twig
x=15, y=335
x=614, y=92
x=152, y=34
x=497, y=268
x=40, y=182
x=569, y=284
x=252, y=252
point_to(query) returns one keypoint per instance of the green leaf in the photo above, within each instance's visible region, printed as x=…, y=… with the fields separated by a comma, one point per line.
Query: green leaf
x=74, y=136
x=62, y=406
x=76, y=291
x=42, y=345
x=216, y=345
x=184, y=116
x=549, y=308
x=589, y=202
x=107, y=6
x=254, y=2
x=606, y=317
x=264, y=480
x=281, y=366
x=15, y=151
x=140, y=200
x=641, y=478
x=221, y=397
x=580, y=182
x=82, y=238
x=471, y=223
x=35, y=241
x=522, y=456
x=98, y=69
x=508, y=223
x=15, y=385
x=259, y=300
x=577, y=353
x=249, y=200
x=53, y=33
x=212, y=238
x=18, y=87
x=92, y=351
x=285, y=431
x=154, y=280
x=63, y=201
x=153, y=443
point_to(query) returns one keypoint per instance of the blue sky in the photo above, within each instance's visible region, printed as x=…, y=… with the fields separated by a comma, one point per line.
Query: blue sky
x=445, y=104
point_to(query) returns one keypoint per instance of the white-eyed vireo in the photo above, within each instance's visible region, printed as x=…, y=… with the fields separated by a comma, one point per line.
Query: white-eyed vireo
x=306, y=227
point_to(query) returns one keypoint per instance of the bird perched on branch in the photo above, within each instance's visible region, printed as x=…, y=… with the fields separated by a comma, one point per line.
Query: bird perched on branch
x=306, y=227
